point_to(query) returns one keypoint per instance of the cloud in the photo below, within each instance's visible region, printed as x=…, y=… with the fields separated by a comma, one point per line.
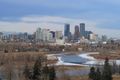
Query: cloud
x=58, y=21
x=86, y=9
x=31, y=23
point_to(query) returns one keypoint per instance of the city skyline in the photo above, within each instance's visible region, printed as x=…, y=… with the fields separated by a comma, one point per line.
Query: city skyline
x=99, y=16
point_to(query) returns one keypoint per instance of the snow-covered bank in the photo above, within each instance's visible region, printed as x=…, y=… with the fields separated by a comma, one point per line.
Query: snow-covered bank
x=87, y=55
x=60, y=62
x=93, y=61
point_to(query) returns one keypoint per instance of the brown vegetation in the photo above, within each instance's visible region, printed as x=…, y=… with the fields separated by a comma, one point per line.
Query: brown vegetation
x=20, y=58
x=115, y=77
x=62, y=67
x=110, y=55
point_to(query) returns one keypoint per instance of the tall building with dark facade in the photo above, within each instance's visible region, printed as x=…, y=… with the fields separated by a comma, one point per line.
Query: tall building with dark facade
x=82, y=29
x=53, y=34
x=76, y=33
x=67, y=30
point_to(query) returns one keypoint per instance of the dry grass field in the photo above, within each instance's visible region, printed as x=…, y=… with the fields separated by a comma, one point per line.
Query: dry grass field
x=115, y=77
x=110, y=55
x=19, y=58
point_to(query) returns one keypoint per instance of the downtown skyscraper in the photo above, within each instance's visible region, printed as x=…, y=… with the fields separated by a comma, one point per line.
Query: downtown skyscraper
x=77, y=33
x=67, y=30
x=82, y=29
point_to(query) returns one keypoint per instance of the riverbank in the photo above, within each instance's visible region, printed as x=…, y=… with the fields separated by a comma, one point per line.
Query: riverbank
x=112, y=55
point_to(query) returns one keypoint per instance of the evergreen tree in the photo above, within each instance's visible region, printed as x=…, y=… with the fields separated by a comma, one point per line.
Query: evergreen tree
x=114, y=68
x=98, y=74
x=37, y=72
x=46, y=72
x=119, y=69
x=26, y=72
x=52, y=73
x=92, y=74
x=107, y=72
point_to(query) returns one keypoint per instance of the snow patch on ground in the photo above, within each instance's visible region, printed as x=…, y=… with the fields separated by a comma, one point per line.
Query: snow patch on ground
x=87, y=55
x=60, y=62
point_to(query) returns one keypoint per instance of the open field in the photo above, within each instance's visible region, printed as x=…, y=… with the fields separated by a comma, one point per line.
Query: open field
x=19, y=58
x=74, y=78
x=115, y=77
x=60, y=68
x=110, y=55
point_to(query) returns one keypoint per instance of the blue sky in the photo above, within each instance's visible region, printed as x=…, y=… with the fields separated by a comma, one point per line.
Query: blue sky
x=101, y=15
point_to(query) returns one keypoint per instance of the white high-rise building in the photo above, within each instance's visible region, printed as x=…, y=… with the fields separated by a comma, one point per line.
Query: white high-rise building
x=44, y=35
x=93, y=37
x=38, y=34
x=50, y=37
x=1, y=35
x=58, y=35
